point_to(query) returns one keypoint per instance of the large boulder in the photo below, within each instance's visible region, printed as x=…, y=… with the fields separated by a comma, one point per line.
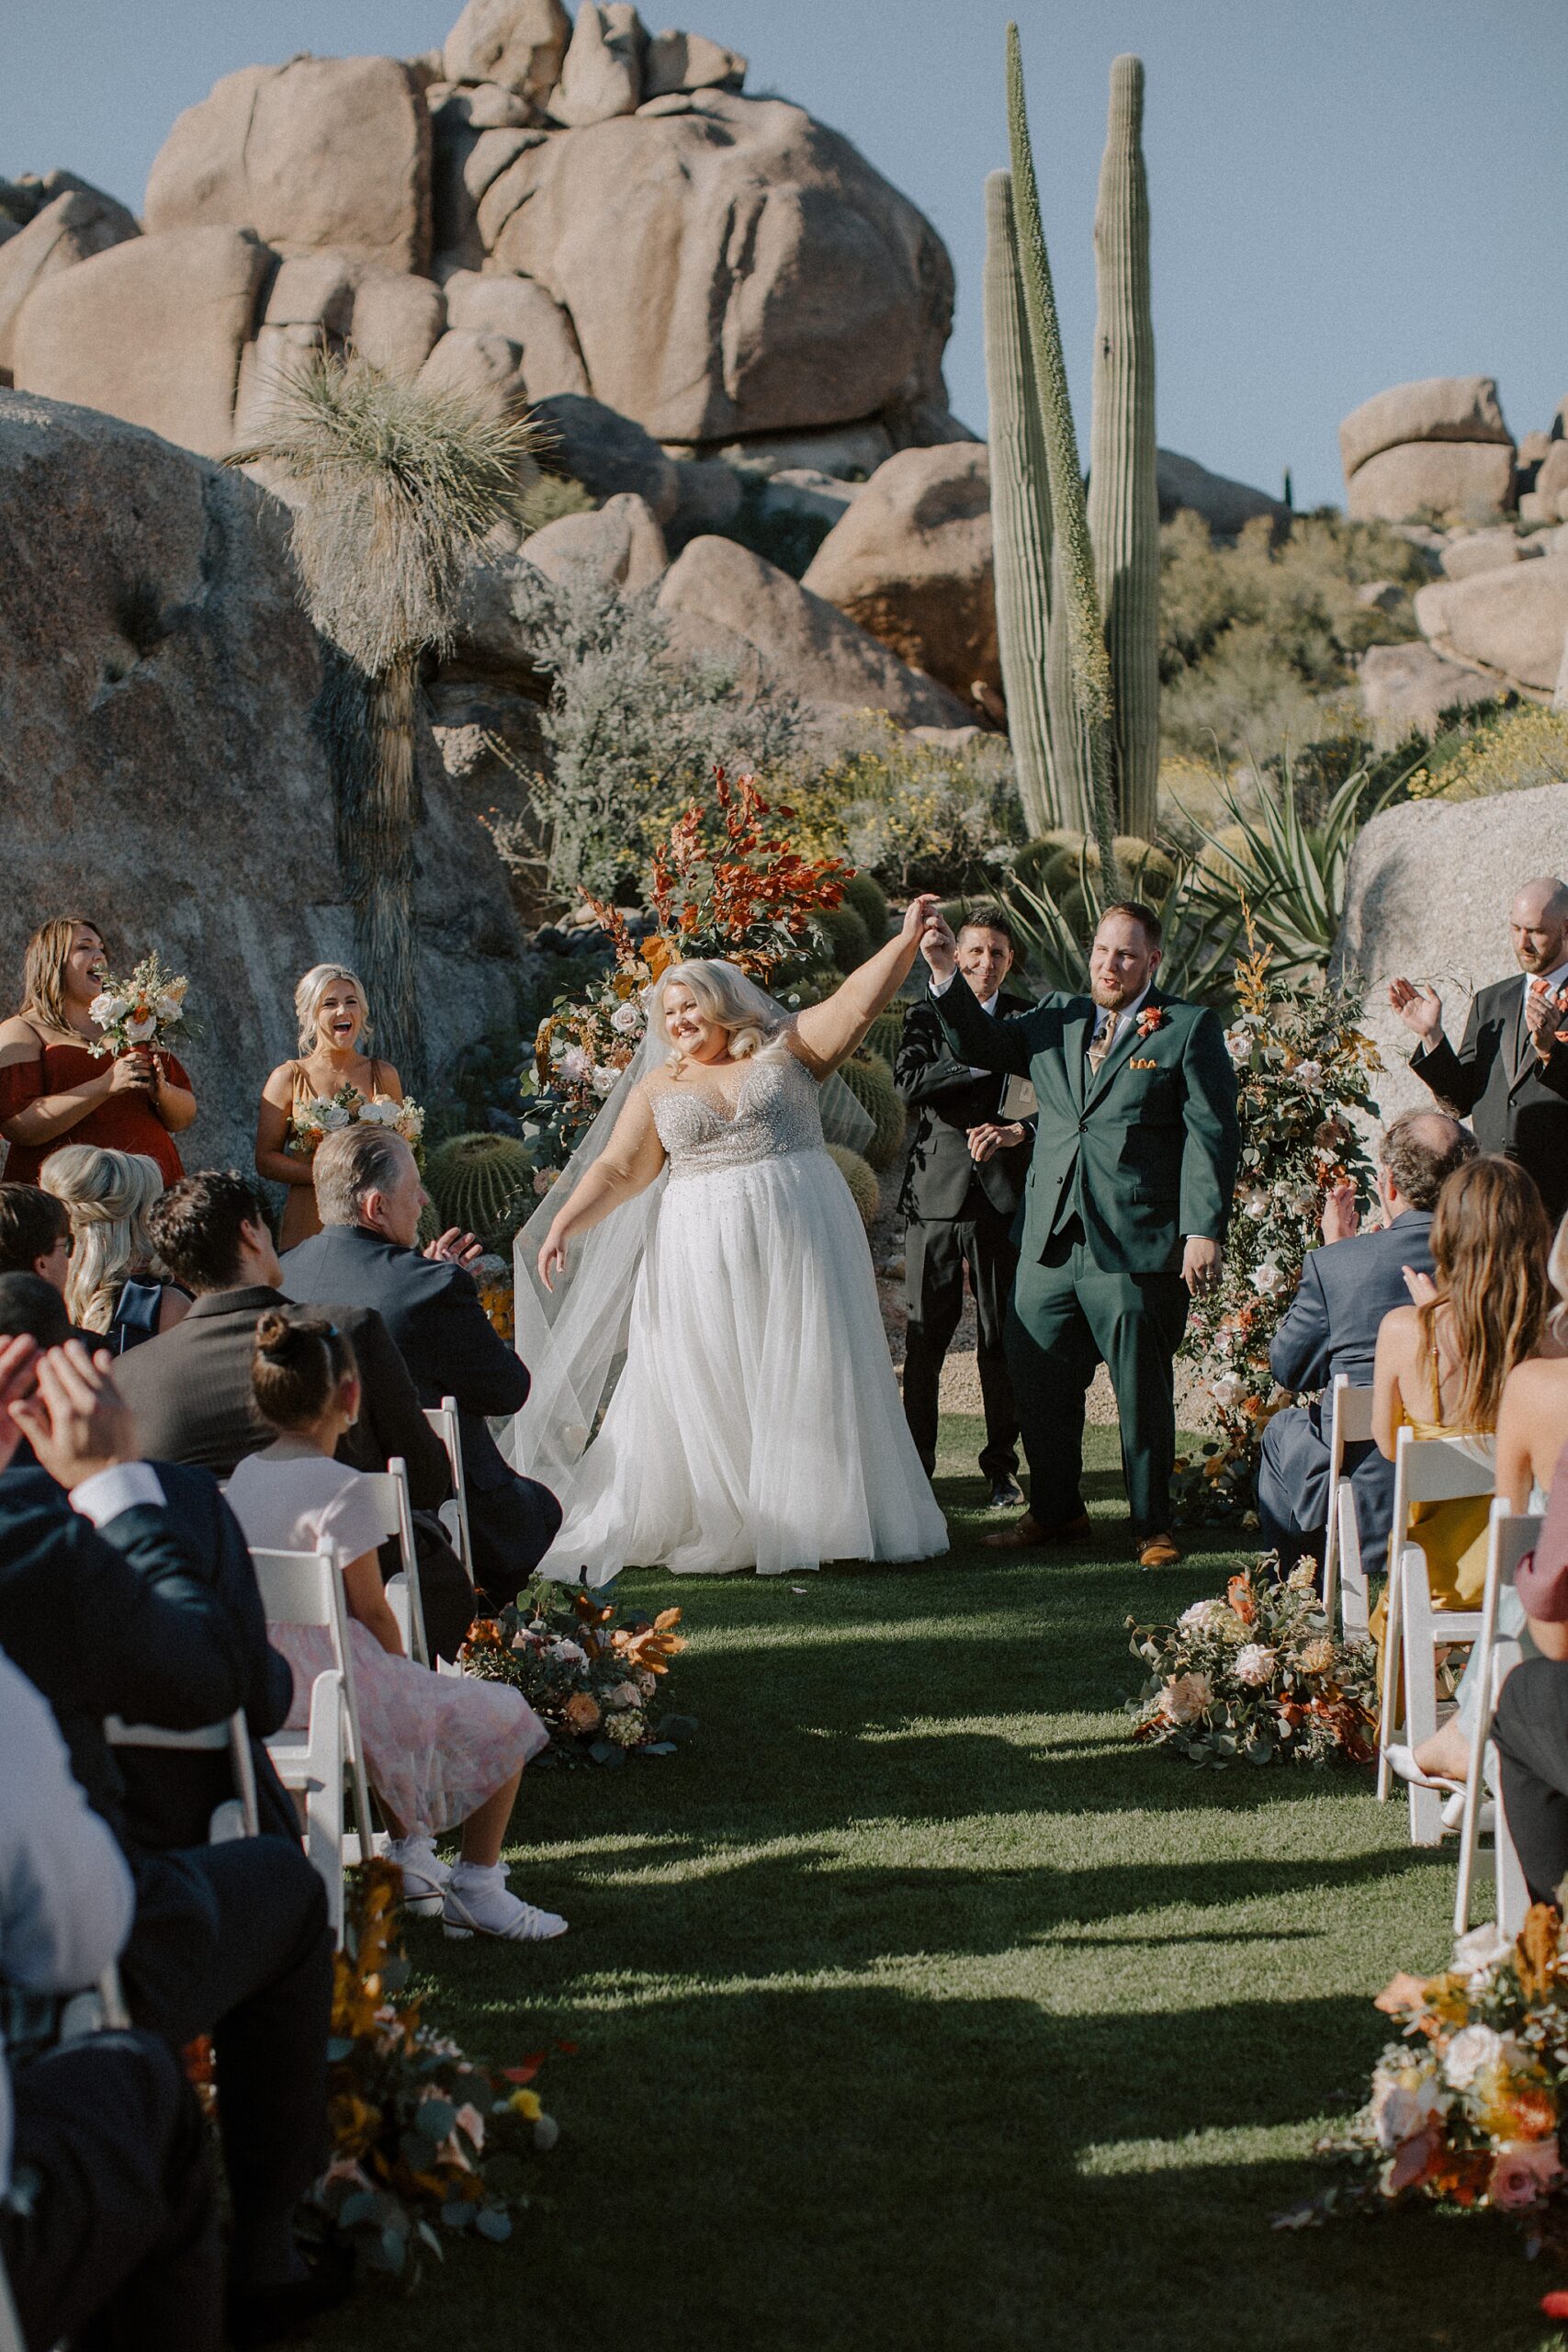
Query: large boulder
x=1427, y=899
x=718, y=591
x=1226, y=506
x=1472, y=551
x=1511, y=622
x=757, y=276
x=527, y=316
x=1462, y=479
x=1438, y=408
x=602, y=72
x=484, y=368
x=150, y=332
x=690, y=61
x=618, y=546
x=607, y=453
x=166, y=767
x=324, y=151
x=1407, y=686
x=910, y=561
x=396, y=321
x=519, y=43
x=72, y=227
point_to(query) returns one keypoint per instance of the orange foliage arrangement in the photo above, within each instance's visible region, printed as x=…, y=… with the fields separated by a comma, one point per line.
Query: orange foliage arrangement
x=589, y=1673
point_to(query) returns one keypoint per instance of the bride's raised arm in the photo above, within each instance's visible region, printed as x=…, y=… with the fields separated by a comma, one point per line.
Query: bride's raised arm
x=830, y=1031
x=626, y=1166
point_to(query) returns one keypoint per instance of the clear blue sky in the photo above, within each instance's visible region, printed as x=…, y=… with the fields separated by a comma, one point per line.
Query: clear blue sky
x=1345, y=193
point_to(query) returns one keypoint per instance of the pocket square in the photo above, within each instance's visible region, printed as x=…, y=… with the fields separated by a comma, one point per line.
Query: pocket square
x=1133, y=1062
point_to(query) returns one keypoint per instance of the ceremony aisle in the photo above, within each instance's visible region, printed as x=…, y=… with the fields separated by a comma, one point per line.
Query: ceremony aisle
x=913, y=2009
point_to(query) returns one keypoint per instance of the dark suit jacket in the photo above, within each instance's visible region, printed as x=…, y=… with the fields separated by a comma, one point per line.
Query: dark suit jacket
x=190, y=1391
x=1346, y=1290
x=942, y=1180
x=1516, y=1103
x=433, y=1312
x=156, y=1619
x=1143, y=1152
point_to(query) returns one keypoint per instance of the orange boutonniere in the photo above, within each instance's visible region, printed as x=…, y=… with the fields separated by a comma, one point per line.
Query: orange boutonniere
x=1151, y=1018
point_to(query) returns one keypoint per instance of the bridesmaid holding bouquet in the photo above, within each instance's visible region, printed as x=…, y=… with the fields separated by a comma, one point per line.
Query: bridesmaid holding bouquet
x=327, y=1086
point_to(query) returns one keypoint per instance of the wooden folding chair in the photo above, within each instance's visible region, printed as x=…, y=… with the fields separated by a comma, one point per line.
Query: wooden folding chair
x=1355, y=1601
x=443, y=1420
x=305, y=1589
x=1511, y=1538
x=1426, y=1470
x=1351, y=1423
x=391, y=1491
x=239, y=1816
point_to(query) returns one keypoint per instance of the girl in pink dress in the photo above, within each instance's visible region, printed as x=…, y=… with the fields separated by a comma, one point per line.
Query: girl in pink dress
x=439, y=1749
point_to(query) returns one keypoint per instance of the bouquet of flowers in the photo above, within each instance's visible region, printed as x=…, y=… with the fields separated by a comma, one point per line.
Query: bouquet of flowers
x=140, y=1012
x=588, y=1671
x=325, y=1113
x=424, y=2139
x=1257, y=1677
x=1466, y=2106
x=721, y=885
x=1302, y=1064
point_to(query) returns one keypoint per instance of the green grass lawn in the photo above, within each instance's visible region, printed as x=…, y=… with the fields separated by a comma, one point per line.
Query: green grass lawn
x=917, y=2008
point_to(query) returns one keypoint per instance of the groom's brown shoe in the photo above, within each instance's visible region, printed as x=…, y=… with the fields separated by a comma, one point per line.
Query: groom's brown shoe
x=1026, y=1532
x=1157, y=1551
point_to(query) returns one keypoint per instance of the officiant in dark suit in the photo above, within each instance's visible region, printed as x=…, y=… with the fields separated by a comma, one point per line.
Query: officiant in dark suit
x=961, y=1191
x=1509, y=1075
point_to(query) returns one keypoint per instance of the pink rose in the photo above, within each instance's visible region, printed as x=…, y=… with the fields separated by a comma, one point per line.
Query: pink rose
x=1523, y=2173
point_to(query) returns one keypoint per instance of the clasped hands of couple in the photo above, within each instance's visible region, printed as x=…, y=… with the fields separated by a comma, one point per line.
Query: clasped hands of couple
x=1122, y=965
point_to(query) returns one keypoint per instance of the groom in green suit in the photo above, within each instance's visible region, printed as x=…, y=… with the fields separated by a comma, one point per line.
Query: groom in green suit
x=1124, y=1215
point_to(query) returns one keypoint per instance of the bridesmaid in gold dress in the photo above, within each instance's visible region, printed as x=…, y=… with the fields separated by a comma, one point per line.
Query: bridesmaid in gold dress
x=335, y=1027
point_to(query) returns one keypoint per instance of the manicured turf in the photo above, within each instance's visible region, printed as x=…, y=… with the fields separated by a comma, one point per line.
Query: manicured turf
x=916, y=2009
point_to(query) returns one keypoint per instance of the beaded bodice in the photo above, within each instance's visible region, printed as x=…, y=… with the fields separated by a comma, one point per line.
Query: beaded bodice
x=775, y=1112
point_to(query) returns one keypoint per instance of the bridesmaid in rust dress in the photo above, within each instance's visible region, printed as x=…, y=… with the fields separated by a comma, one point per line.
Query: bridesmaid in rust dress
x=334, y=1026
x=54, y=1090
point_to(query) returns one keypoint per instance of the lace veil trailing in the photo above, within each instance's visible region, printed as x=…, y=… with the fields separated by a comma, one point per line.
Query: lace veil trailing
x=573, y=1339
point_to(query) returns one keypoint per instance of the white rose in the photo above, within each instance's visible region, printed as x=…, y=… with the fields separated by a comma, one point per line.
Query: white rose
x=379, y=1113
x=1478, y=1953
x=1198, y=1615
x=626, y=1018
x=575, y=1065
x=604, y=1079
x=1470, y=2054
x=1307, y=1073
x=1267, y=1279
x=570, y=1653
x=330, y=1116
x=140, y=1031
x=1401, y=2110
x=1238, y=1045
x=1254, y=1664
x=1256, y=1204
x=169, y=1009
x=106, y=1008
x=1228, y=1390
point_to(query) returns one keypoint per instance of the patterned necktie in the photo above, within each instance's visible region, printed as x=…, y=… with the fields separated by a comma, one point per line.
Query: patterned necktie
x=1100, y=1044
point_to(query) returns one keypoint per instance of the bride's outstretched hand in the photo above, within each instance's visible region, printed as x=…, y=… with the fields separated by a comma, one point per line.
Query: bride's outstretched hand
x=938, y=944
x=552, y=1260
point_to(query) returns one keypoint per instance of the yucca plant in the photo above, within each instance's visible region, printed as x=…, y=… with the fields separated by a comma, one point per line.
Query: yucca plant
x=392, y=485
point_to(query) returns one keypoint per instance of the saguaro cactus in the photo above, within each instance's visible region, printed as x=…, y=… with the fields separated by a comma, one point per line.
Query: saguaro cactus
x=1074, y=581
x=1021, y=517
x=1124, y=495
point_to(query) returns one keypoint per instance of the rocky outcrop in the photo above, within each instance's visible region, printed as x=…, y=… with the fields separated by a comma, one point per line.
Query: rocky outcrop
x=1473, y=551
x=548, y=359
x=605, y=452
x=163, y=767
x=1226, y=506
x=910, y=560
x=1510, y=621
x=517, y=43
x=73, y=226
x=1435, y=447
x=1438, y=408
x=1404, y=687
x=620, y=546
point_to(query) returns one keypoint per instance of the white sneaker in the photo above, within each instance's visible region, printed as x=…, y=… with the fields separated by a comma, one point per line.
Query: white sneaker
x=1402, y=1760
x=425, y=1875
x=478, y=1903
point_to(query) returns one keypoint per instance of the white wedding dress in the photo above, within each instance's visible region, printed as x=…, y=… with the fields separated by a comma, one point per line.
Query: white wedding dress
x=756, y=1422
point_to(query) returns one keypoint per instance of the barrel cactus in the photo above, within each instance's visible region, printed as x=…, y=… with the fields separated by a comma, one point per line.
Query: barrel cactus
x=844, y=929
x=866, y=894
x=482, y=1183
x=861, y=1177
x=869, y=1080
x=886, y=1032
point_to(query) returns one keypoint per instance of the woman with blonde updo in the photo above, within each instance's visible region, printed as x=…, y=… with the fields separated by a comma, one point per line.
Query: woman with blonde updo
x=335, y=1027
x=111, y=1286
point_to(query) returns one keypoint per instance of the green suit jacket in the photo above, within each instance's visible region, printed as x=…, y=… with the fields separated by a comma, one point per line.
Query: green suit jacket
x=1143, y=1152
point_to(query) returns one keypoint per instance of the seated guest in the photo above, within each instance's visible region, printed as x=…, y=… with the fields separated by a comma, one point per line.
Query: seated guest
x=111, y=1286
x=1347, y=1288
x=439, y=1749
x=334, y=1028
x=55, y=1089
x=193, y=1399
x=369, y=1195
x=118, y=2240
x=121, y=1595
x=32, y=1308
x=34, y=1234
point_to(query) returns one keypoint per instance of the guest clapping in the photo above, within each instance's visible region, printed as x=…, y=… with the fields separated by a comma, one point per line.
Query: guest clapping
x=112, y=1286
x=334, y=1028
x=55, y=1089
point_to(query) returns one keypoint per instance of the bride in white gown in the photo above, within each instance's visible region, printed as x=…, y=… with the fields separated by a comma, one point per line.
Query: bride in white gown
x=756, y=1422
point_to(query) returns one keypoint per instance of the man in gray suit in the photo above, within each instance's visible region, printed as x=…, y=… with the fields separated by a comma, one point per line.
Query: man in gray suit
x=1347, y=1288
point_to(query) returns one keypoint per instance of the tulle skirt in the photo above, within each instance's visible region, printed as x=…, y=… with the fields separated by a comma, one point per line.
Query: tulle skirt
x=757, y=1422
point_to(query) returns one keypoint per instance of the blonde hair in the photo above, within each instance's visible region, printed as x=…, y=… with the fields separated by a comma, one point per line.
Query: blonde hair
x=308, y=1001
x=752, y=1020
x=43, y=967
x=1490, y=1243
x=106, y=1195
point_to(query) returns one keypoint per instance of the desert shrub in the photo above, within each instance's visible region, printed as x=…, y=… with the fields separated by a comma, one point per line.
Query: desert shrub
x=919, y=815
x=869, y=899
x=869, y=1080
x=553, y=495
x=861, y=1177
x=1507, y=750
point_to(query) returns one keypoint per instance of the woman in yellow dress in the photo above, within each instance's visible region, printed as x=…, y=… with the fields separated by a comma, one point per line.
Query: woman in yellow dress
x=334, y=1028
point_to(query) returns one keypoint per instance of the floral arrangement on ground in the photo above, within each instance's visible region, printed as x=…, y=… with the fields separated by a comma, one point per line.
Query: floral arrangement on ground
x=1302, y=1066
x=590, y=1671
x=1466, y=2107
x=722, y=884
x=1257, y=1677
x=426, y=2141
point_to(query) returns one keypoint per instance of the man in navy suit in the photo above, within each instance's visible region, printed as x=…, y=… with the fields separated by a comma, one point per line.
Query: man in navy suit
x=369, y=1195
x=1346, y=1290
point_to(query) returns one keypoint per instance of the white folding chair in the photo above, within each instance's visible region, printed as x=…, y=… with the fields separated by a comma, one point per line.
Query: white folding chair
x=305, y=1589
x=443, y=1420
x=1355, y=1601
x=1511, y=1538
x=1426, y=1470
x=390, y=1487
x=238, y=1817
x=1350, y=1423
